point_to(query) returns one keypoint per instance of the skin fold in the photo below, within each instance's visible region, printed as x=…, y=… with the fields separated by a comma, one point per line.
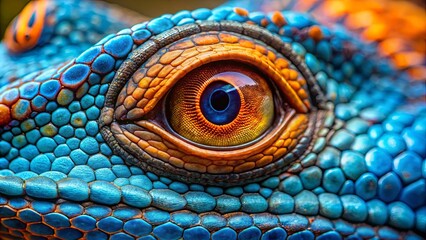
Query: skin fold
x=102, y=135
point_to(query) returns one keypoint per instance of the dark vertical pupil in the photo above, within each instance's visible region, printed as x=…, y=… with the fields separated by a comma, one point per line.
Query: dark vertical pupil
x=219, y=100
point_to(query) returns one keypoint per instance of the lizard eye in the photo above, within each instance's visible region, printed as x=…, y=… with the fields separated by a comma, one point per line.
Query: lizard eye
x=209, y=103
x=28, y=28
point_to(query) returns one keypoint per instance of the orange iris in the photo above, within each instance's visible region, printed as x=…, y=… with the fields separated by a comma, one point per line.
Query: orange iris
x=223, y=103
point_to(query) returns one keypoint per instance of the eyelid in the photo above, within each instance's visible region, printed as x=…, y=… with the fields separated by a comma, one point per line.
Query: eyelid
x=155, y=77
x=268, y=140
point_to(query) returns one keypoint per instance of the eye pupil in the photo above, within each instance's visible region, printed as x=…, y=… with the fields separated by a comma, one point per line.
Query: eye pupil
x=220, y=102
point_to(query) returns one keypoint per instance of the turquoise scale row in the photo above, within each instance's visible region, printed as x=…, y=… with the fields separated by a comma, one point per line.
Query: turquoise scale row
x=72, y=221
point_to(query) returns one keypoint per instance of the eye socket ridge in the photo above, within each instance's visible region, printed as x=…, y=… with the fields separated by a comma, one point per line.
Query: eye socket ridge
x=215, y=165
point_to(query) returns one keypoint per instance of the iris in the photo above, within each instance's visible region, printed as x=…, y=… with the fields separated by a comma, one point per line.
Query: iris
x=220, y=102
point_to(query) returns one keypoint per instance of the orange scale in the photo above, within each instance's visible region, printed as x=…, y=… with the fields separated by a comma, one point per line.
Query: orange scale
x=129, y=88
x=175, y=153
x=204, y=48
x=241, y=11
x=279, y=143
x=264, y=22
x=188, y=53
x=264, y=161
x=142, y=103
x=295, y=85
x=293, y=74
x=375, y=32
x=244, y=167
x=182, y=45
x=152, y=151
x=157, y=144
x=164, y=155
x=302, y=93
x=152, y=60
x=131, y=137
x=138, y=93
x=281, y=63
x=272, y=56
x=156, y=82
x=278, y=19
x=129, y=102
x=280, y=152
x=315, y=33
x=178, y=61
x=195, y=167
x=287, y=141
x=143, y=144
x=170, y=56
x=215, y=169
x=307, y=103
x=205, y=40
x=246, y=43
x=261, y=49
x=134, y=113
x=5, y=115
x=228, y=38
x=195, y=159
x=154, y=70
x=255, y=157
x=270, y=151
x=176, y=162
x=165, y=71
x=418, y=73
x=286, y=73
x=302, y=81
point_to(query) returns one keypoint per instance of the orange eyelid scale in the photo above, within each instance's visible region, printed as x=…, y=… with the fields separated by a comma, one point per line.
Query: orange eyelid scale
x=29, y=27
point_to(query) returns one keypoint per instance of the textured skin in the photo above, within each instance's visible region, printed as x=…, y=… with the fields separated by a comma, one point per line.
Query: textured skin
x=359, y=174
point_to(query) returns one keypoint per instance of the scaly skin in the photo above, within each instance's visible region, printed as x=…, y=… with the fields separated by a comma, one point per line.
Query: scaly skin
x=73, y=165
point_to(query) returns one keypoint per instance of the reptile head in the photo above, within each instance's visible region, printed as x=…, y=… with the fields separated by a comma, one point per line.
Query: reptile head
x=217, y=124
